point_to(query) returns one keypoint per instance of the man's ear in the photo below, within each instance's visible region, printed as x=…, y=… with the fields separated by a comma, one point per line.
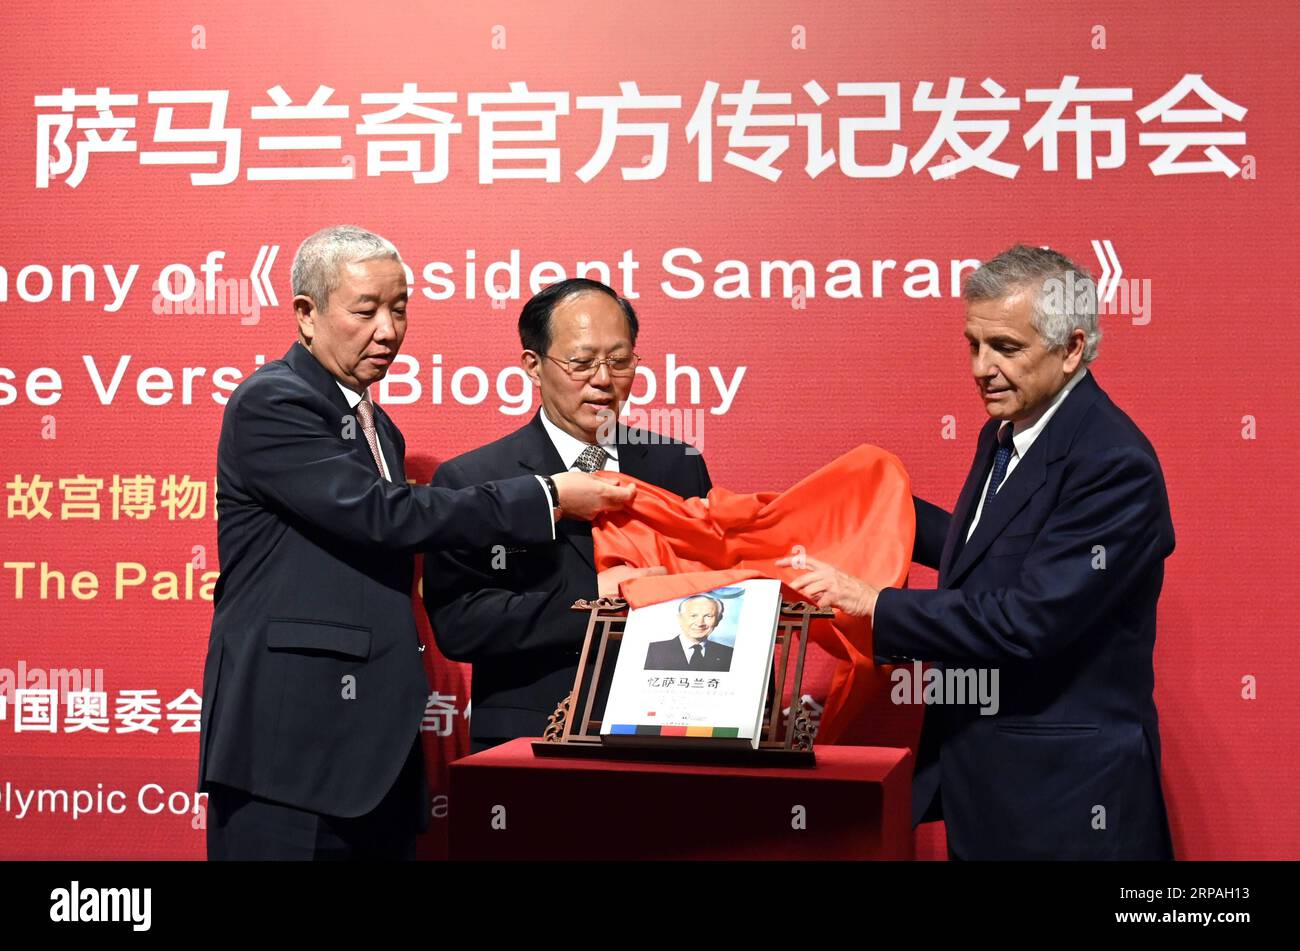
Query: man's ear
x=304, y=311
x=1074, y=351
x=532, y=365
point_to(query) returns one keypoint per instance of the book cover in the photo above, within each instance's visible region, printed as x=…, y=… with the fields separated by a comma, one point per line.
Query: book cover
x=695, y=670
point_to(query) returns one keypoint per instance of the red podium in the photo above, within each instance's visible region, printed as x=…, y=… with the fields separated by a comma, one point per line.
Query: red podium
x=507, y=803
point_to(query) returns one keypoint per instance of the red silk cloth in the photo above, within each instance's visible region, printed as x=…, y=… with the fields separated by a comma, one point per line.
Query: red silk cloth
x=855, y=513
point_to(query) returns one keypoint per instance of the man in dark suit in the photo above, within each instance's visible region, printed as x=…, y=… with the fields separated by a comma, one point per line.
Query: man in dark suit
x=313, y=688
x=1049, y=571
x=507, y=612
x=698, y=616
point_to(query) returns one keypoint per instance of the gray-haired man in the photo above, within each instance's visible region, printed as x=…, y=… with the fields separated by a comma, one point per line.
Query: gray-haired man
x=1049, y=570
x=314, y=689
x=697, y=616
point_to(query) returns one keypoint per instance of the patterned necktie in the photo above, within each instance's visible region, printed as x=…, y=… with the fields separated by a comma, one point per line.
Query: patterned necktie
x=697, y=656
x=592, y=458
x=1001, y=459
x=366, y=417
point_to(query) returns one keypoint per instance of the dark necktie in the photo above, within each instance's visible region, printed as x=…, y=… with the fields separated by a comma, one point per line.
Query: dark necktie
x=697, y=656
x=1001, y=459
x=592, y=458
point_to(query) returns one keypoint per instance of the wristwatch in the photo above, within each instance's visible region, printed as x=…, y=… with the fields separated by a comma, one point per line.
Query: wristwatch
x=556, y=512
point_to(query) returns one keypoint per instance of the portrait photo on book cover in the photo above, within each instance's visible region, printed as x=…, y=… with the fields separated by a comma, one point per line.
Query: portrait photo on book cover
x=707, y=624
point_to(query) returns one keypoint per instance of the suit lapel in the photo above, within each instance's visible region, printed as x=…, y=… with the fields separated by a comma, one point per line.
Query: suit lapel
x=1030, y=474
x=302, y=362
x=1017, y=489
x=537, y=455
x=634, y=457
x=954, y=543
x=389, y=445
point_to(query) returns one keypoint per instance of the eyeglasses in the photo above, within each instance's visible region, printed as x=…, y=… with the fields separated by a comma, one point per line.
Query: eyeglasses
x=621, y=366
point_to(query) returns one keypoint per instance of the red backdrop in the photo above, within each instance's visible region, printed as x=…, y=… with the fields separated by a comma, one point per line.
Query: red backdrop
x=102, y=483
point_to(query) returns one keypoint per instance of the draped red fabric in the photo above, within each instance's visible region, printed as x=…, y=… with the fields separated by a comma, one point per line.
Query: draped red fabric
x=855, y=513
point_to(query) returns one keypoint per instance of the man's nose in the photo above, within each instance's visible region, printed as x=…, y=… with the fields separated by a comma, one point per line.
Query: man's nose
x=385, y=326
x=981, y=363
x=602, y=377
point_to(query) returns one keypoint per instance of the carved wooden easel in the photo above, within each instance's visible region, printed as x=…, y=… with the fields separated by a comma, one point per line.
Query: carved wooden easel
x=574, y=729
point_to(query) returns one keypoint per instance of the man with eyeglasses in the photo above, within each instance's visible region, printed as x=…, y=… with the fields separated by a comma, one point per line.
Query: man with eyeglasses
x=508, y=612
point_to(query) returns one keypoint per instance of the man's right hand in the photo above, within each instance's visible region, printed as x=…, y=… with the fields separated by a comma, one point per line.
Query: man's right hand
x=585, y=496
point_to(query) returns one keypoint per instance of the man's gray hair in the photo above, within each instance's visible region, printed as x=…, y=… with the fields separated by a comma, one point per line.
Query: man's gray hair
x=717, y=603
x=319, y=259
x=1065, y=295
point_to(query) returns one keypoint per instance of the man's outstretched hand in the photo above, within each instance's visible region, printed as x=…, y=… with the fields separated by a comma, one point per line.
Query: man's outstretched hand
x=828, y=587
x=584, y=496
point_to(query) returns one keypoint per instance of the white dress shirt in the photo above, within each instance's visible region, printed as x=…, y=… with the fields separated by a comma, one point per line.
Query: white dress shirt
x=688, y=647
x=570, y=447
x=1023, y=435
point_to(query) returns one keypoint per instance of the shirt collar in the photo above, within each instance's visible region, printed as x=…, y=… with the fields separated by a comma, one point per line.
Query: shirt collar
x=352, y=396
x=1026, y=431
x=688, y=645
x=569, y=447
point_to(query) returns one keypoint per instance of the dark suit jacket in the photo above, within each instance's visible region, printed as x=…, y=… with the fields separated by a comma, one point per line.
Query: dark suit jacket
x=513, y=623
x=668, y=655
x=1072, y=642
x=314, y=689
